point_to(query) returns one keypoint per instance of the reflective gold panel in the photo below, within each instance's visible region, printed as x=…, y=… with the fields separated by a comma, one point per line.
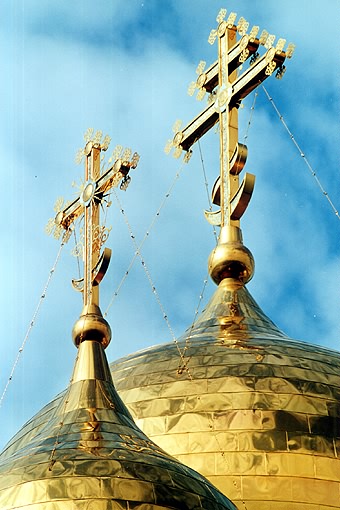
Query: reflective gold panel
x=84, y=451
x=254, y=411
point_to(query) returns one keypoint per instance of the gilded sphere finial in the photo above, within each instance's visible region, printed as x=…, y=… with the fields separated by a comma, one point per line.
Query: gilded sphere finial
x=230, y=258
x=91, y=325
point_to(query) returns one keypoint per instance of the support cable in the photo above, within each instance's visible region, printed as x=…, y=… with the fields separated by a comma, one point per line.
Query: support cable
x=302, y=154
x=146, y=235
x=148, y=275
x=206, y=184
x=34, y=317
x=183, y=365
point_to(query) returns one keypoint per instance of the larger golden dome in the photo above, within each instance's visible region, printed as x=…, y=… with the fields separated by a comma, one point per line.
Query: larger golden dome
x=254, y=411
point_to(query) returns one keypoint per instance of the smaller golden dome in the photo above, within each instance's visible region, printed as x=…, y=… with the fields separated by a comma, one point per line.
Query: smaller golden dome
x=83, y=450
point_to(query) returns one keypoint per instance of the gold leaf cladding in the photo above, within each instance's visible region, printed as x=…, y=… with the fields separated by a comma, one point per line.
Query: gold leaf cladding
x=258, y=407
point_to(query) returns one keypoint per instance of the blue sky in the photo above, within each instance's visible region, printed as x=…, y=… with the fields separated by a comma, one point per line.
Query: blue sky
x=124, y=67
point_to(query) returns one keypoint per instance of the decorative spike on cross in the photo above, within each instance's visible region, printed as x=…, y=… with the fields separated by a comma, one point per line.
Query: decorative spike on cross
x=228, y=84
x=96, y=185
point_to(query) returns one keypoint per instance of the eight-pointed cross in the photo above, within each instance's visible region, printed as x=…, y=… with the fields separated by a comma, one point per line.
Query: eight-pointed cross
x=227, y=89
x=89, y=201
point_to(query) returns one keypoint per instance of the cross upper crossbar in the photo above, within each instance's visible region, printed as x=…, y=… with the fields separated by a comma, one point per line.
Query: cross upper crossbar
x=241, y=87
x=209, y=78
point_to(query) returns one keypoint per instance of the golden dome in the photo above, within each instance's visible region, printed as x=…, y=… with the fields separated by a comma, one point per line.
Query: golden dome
x=83, y=450
x=254, y=411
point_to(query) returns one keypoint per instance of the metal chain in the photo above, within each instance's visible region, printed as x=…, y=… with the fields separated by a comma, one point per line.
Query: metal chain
x=76, y=244
x=146, y=235
x=252, y=109
x=206, y=184
x=153, y=288
x=34, y=317
x=184, y=365
x=302, y=154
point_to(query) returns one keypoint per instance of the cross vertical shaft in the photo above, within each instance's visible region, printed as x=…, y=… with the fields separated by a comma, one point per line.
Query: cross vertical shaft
x=228, y=119
x=91, y=220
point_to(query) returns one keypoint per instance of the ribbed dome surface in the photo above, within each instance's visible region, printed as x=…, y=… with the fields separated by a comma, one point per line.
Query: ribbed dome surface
x=255, y=412
x=83, y=450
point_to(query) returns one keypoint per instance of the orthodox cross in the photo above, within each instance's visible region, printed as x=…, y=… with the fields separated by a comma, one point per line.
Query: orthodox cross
x=97, y=185
x=227, y=87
